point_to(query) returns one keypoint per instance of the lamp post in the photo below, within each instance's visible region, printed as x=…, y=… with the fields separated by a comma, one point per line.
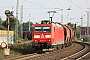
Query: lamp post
x=75, y=28
x=29, y=22
x=88, y=18
x=81, y=20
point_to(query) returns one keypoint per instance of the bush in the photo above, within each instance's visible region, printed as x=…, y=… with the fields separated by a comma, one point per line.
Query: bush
x=16, y=36
x=86, y=39
x=26, y=39
x=22, y=48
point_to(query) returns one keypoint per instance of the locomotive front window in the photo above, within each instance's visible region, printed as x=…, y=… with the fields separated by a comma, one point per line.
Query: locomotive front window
x=46, y=29
x=38, y=29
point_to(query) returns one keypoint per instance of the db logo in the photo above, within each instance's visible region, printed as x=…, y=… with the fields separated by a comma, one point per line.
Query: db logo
x=42, y=36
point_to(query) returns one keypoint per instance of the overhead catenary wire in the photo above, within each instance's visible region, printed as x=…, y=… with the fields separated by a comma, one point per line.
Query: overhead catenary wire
x=41, y=7
x=58, y=2
x=76, y=5
x=36, y=4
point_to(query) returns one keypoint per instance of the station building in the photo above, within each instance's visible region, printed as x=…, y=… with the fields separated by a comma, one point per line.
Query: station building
x=84, y=31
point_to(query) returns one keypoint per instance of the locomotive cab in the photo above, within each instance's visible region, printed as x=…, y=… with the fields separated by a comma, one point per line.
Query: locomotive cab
x=42, y=35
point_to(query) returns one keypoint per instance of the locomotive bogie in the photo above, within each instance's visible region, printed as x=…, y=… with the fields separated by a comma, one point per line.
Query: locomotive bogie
x=42, y=45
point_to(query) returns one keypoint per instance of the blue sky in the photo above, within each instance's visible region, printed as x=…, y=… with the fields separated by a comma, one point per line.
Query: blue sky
x=37, y=9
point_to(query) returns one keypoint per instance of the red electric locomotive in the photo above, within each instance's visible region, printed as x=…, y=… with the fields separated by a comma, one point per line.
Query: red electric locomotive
x=50, y=35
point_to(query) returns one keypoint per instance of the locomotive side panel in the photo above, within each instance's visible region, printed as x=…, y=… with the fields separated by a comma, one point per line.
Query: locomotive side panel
x=52, y=33
x=59, y=36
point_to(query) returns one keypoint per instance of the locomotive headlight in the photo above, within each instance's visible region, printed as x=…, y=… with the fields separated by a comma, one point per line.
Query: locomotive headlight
x=49, y=40
x=36, y=41
x=36, y=36
x=48, y=36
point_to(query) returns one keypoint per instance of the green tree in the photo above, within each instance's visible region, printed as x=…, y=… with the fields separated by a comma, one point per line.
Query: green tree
x=5, y=24
x=1, y=26
x=75, y=28
x=78, y=31
x=1, y=21
x=12, y=23
x=26, y=26
x=71, y=25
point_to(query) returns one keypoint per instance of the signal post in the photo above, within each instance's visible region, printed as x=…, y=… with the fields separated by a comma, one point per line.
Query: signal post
x=8, y=14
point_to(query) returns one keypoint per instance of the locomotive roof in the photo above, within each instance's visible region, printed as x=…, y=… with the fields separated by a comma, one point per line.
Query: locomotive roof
x=57, y=25
x=45, y=22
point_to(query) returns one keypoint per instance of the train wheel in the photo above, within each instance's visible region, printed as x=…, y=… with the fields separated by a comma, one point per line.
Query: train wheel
x=68, y=39
x=51, y=49
x=62, y=46
x=54, y=48
x=59, y=47
x=39, y=51
x=65, y=45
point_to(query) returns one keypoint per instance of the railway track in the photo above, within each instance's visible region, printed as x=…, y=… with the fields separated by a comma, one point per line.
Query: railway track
x=60, y=54
x=35, y=55
x=87, y=55
x=28, y=57
x=23, y=57
x=81, y=54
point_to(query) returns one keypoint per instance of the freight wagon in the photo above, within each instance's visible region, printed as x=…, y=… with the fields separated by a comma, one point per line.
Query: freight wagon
x=5, y=39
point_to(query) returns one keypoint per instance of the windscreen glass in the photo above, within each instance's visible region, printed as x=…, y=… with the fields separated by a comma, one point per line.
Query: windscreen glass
x=38, y=29
x=43, y=29
x=46, y=29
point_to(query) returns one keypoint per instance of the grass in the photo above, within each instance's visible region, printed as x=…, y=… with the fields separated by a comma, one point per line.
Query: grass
x=12, y=52
x=20, y=49
x=1, y=52
x=85, y=40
